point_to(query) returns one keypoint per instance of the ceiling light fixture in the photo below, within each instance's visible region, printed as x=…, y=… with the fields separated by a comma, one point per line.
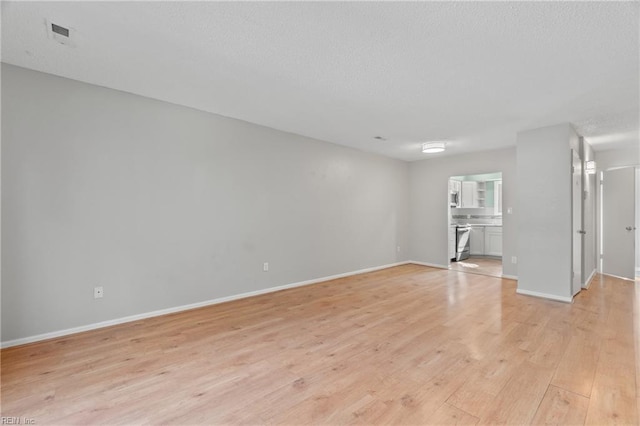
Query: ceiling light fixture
x=432, y=147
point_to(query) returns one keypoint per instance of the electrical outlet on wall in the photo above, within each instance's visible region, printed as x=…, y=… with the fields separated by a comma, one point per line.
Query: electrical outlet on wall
x=398, y=249
x=514, y=259
x=98, y=292
x=265, y=267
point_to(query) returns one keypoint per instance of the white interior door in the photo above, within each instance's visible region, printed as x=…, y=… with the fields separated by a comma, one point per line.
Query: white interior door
x=578, y=232
x=618, y=229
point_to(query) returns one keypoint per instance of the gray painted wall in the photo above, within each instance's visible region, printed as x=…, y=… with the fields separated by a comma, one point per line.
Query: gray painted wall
x=544, y=221
x=165, y=205
x=429, y=203
x=618, y=158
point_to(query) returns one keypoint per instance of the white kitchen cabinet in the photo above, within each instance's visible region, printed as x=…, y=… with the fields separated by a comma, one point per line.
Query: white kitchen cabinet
x=476, y=241
x=452, y=242
x=493, y=241
x=469, y=194
x=455, y=185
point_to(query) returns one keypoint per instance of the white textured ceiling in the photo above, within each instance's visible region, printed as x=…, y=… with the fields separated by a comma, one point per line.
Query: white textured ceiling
x=472, y=73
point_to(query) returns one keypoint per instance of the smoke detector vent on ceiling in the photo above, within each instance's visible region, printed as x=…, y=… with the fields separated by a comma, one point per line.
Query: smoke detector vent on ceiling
x=60, y=33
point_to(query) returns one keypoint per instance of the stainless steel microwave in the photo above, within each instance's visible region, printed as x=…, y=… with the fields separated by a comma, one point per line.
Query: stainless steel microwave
x=454, y=199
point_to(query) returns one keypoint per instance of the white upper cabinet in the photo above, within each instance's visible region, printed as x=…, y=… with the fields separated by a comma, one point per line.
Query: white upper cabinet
x=469, y=194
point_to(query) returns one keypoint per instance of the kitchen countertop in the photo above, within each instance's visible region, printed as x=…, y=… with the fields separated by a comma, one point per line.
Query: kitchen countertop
x=476, y=224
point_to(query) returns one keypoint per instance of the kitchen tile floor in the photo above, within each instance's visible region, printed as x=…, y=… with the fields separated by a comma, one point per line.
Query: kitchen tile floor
x=479, y=265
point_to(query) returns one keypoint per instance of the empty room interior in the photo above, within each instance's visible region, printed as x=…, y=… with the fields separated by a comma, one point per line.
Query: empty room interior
x=320, y=213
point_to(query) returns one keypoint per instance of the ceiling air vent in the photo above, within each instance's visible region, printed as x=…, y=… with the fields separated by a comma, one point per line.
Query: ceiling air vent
x=60, y=30
x=60, y=33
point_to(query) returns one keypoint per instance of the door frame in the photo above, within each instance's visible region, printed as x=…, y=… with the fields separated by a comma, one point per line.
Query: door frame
x=577, y=222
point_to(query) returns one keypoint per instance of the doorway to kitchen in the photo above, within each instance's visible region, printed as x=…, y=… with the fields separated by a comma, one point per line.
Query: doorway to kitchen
x=475, y=224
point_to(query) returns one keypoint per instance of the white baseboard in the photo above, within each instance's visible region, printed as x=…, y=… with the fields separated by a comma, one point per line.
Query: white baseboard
x=545, y=296
x=588, y=282
x=432, y=265
x=510, y=277
x=618, y=277
x=137, y=317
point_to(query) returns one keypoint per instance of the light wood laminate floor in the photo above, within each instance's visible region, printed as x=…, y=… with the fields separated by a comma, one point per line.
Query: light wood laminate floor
x=479, y=265
x=406, y=345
